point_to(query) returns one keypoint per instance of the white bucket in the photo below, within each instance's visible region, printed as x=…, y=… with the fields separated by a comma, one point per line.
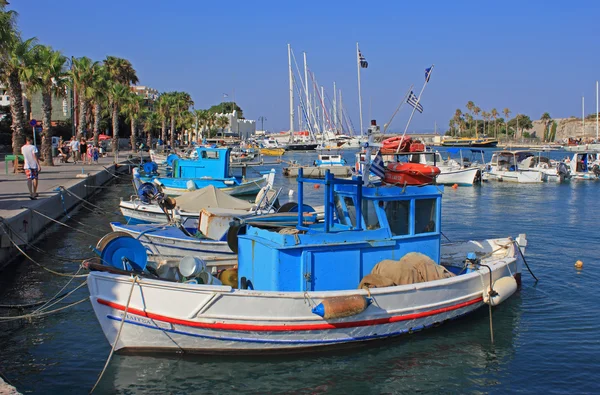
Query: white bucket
x=208, y=278
x=190, y=185
x=190, y=266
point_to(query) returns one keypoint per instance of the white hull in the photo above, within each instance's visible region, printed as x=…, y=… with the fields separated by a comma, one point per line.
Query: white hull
x=583, y=148
x=519, y=176
x=170, y=247
x=150, y=213
x=175, y=317
x=461, y=177
x=247, y=188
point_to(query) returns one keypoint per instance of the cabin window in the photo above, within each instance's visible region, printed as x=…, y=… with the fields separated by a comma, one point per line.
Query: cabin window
x=210, y=154
x=351, y=210
x=425, y=215
x=397, y=213
x=370, y=215
x=339, y=208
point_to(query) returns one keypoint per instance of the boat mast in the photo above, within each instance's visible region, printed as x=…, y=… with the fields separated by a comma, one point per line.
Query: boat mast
x=306, y=91
x=291, y=75
x=596, y=112
x=583, y=115
x=359, y=94
x=335, y=122
x=340, y=117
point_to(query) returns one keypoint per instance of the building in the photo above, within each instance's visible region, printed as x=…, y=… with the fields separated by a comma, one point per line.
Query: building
x=150, y=94
x=4, y=98
x=244, y=128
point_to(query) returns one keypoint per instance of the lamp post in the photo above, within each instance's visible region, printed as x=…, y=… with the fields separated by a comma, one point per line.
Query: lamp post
x=262, y=122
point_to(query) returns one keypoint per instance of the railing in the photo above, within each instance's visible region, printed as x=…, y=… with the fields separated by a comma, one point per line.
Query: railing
x=330, y=181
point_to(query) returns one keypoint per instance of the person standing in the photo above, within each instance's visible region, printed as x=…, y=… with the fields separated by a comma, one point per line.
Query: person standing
x=74, y=144
x=83, y=150
x=32, y=167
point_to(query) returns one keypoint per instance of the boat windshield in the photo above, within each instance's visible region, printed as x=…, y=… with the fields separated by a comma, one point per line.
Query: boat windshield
x=425, y=214
x=398, y=213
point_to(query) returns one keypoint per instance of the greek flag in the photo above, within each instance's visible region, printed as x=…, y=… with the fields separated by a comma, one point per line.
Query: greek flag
x=362, y=61
x=414, y=101
x=428, y=73
x=377, y=166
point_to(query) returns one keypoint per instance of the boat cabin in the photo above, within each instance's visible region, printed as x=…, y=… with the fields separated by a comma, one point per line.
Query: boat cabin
x=209, y=162
x=584, y=162
x=330, y=160
x=509, y=160
x=362, y=226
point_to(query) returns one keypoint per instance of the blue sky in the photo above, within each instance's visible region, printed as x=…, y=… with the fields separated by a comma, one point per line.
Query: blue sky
x=530, y=56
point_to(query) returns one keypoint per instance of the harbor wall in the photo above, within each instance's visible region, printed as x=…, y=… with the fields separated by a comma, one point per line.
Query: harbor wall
x=568, y=127
x=31, y=226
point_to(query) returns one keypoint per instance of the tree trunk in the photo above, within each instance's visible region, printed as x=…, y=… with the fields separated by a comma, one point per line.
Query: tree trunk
x=83, y=108
x=163, y=133
x=115, y=127
x=16, y=110
x=133, y=135
x=173, y=133
x=97, y=110
x=149, y=138
x=47, y=127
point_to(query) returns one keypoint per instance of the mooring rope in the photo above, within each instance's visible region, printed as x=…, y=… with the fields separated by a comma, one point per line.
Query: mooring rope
x=85, y=201
x=114, y=175
x=62, y=223
x=114, y=346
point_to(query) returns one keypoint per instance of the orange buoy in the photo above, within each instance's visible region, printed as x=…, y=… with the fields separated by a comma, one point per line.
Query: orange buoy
x=341, y=306
x=455, y=186
x=579, y=265
x=317, y=186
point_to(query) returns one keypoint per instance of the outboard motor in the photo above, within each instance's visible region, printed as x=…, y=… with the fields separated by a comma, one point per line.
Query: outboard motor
x=562, y=169
x=147, y=192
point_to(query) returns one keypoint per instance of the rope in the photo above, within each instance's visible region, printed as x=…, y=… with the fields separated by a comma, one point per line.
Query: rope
x=62, y=223
x=62, y=199
x=26, y=305
x=114, y=175
x=525, y=261
x=49, y=303
x=85, y=201
x=39, y=264
x=135, y=280
x=43, y=313
x=38, y=249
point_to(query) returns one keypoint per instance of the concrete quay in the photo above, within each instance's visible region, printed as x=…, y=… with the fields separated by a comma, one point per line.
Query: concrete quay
x=78, y=179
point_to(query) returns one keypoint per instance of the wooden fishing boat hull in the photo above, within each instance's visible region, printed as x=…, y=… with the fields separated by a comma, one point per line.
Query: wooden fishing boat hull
x=174, y=317
x=272, y=151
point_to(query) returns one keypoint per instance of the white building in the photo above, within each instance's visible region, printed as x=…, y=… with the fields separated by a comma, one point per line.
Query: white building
x=244, y=128
x=4, y=98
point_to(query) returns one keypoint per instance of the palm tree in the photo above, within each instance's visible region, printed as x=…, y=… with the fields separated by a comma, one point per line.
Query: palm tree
x=179, y=103
x=15, y=60
x=202, y=117
x=476, y=111
x=457, y=117
x=494, y=114
x=506, y=112
x=162, y=107
x=97, y=93
x=547, y=119
x=222, y=122
x=82, y=73
x=211, y=119
x=117, y=94
x=121, y=73
x=49, y=77
x=151, y=121
x=132, y=109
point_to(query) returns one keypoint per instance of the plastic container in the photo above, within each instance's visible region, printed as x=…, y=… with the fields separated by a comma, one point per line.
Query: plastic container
x=209, y=279
x=191, y=266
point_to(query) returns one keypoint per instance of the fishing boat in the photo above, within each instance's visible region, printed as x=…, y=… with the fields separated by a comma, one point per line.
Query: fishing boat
x=470, y=142
x=504, y=166
x=552, y=171
x=137, y=210
x=212, y=167
x=326, y=162
x=272, y=151
x=451, y=171
x=585, y=165
x=374, y=268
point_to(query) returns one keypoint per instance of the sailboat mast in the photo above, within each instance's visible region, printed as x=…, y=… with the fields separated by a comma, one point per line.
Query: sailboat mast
x=340, y=112
x=306, y=91
x=597, y=112
x=359, y=94
x=291, y=75
x=335, y=122
x=583, y=115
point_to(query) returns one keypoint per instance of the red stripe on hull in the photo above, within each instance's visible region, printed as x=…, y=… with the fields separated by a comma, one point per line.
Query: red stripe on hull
x=290, y=328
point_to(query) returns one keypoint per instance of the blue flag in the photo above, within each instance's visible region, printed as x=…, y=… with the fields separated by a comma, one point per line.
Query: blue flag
x=428, y=73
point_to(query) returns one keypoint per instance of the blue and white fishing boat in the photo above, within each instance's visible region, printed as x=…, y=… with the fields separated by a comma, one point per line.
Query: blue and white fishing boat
x=585, y=165
x=211, y=167
x=374, y=268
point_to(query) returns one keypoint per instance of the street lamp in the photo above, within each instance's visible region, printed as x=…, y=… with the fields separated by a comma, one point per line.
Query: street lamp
x=262, y=122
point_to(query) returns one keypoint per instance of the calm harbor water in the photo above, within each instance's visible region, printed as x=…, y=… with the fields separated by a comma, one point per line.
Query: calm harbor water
x=546, y=335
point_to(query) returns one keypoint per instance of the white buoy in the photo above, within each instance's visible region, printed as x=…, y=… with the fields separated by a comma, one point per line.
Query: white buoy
x=504, y=287
x=291, y=193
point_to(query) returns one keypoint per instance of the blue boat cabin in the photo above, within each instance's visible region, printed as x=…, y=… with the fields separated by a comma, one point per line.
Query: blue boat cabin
x=211, y=162
x=362, y=226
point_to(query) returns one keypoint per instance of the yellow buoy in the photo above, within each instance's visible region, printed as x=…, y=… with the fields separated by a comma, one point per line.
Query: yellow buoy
x=579, y=264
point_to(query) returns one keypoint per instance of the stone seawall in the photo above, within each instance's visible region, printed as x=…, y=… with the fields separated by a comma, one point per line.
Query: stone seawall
x=567, y=127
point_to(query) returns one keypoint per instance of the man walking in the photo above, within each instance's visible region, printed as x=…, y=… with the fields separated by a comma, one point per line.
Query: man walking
x=32, y=167
x=74, y=144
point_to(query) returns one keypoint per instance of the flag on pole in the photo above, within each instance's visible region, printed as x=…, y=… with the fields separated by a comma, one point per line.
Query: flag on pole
x=377, y=166
x=362, y=61
x=427, y=74
x=225, y=95
x=414, y=101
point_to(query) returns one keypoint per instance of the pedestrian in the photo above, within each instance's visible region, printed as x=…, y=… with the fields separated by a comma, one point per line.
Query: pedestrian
x=74, y=145
x=83, y=150
x=32, y=166
x=95, y=154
